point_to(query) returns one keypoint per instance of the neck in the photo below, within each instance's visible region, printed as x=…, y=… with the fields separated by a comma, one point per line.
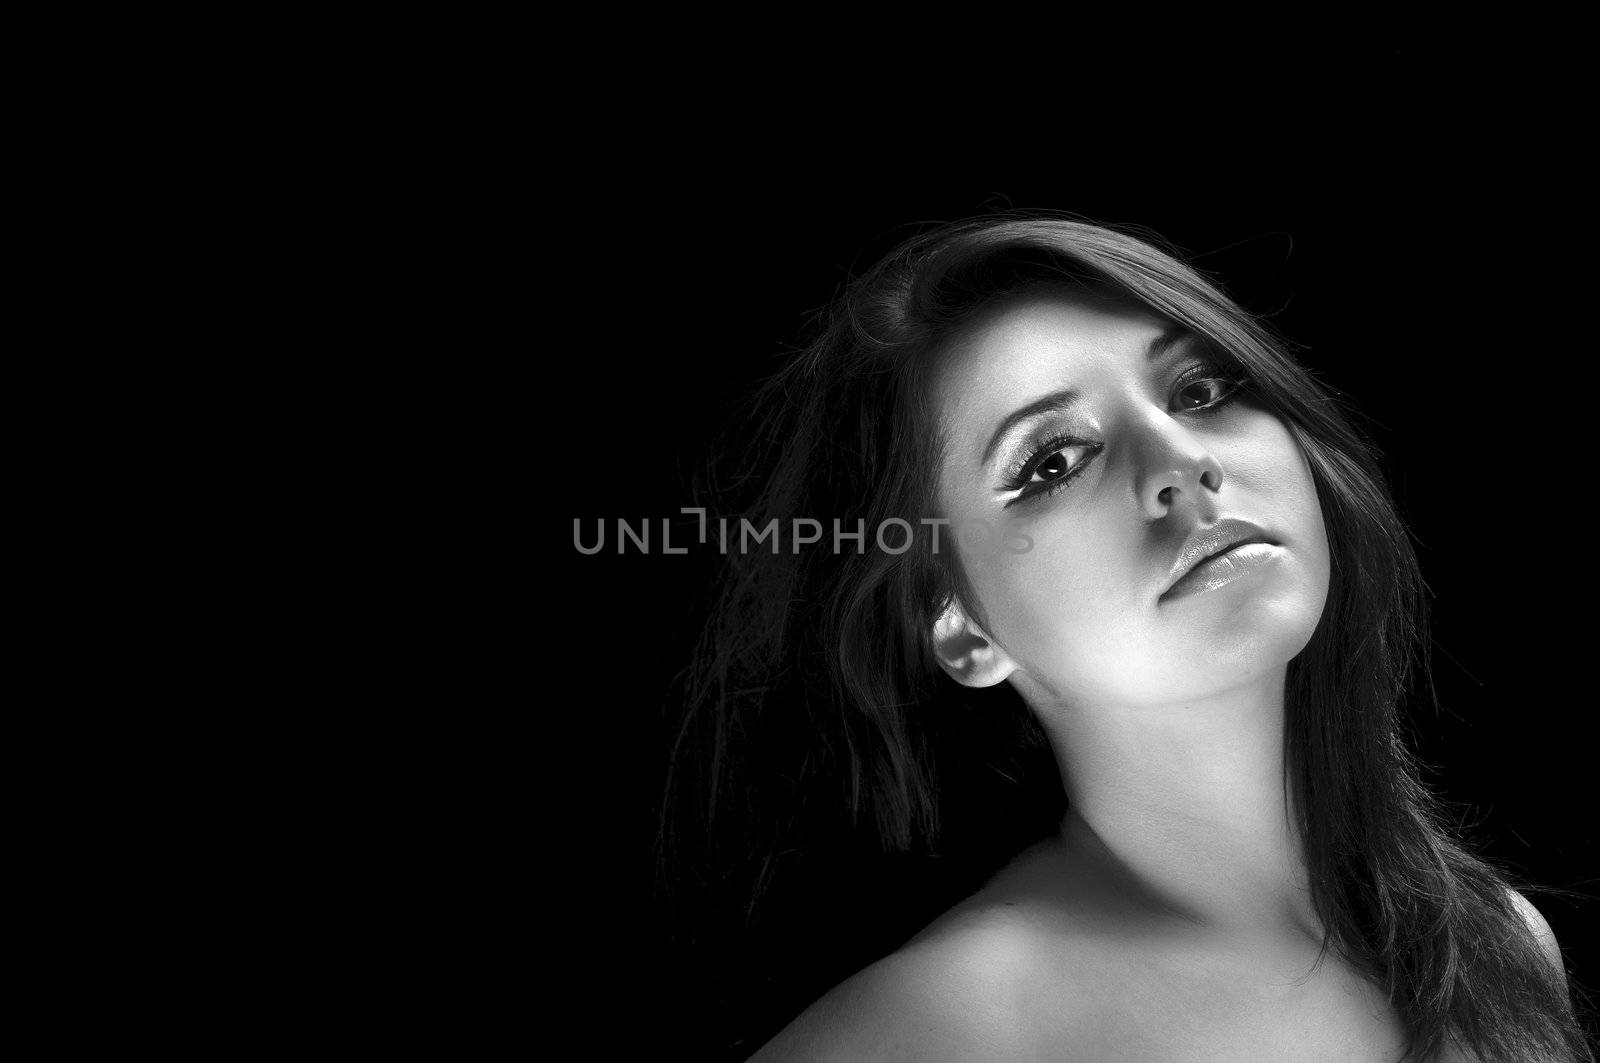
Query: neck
x=1184, y=807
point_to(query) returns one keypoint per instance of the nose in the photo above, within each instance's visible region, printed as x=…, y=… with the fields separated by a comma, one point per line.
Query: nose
x=1176, y=469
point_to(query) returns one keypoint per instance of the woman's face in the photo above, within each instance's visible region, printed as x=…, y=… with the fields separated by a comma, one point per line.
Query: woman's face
x=1103, y=434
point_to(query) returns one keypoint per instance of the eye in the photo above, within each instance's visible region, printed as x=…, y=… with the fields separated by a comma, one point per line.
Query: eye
x=1203, y=388
x=1051, y=467
x=1059, y=463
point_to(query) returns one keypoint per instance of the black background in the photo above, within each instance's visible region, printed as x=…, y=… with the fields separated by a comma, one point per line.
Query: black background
x=1417, y=264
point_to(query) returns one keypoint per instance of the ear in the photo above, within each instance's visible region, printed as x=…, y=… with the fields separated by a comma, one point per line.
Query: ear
x=965, y=652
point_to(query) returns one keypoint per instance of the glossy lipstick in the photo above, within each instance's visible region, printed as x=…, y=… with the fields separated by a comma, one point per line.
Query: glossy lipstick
x=1217, y=555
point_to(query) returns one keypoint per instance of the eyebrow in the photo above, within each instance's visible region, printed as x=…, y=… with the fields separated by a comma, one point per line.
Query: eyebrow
x=1064, y=398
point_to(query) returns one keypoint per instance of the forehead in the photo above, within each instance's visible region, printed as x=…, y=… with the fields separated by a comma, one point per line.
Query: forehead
x=1028, y=344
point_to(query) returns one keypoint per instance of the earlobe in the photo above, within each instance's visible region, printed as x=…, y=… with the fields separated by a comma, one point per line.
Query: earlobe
x=966, y=653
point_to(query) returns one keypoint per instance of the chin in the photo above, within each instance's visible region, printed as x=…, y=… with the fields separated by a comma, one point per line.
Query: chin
x=1263, y=630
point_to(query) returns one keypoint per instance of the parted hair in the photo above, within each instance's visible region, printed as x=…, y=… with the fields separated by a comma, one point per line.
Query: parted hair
x=821, y=660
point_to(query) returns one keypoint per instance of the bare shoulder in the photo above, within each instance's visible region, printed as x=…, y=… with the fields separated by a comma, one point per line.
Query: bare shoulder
x=957, y=991
x=1541, y=932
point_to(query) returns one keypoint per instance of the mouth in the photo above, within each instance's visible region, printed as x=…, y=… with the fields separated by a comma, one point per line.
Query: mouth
x=1218, y=555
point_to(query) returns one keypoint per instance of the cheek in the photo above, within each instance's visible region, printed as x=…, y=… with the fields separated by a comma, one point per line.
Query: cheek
x=1267, y=460
x=1292, y=481
x=1272, y=478
x=1054, y=607
x=1266, y=465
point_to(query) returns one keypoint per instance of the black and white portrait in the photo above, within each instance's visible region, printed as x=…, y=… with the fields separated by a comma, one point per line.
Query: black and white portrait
x=1081, y=620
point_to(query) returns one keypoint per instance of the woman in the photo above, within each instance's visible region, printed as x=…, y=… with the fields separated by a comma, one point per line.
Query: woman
x=1070, y=500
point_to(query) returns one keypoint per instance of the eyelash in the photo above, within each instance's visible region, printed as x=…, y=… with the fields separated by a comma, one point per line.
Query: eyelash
x=1020, y=476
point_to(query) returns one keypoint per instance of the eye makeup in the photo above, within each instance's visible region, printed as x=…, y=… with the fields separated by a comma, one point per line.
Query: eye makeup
x=1060, y=456
x=1037, y=457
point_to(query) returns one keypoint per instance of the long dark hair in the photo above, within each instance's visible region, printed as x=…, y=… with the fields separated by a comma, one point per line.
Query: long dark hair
x=816, y=662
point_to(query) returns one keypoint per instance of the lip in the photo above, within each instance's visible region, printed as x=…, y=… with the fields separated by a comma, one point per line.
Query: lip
x=1207, y=543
